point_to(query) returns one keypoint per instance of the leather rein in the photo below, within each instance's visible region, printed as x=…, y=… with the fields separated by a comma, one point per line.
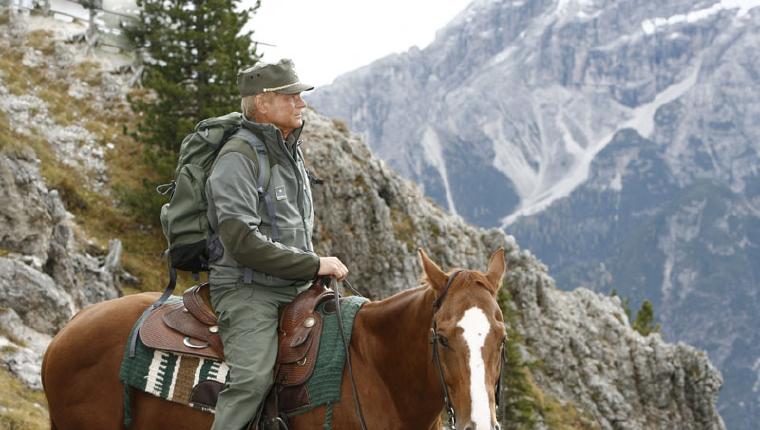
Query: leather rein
x=436, y=338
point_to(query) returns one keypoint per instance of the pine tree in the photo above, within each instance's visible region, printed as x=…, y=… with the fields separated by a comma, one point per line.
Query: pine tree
x=192, y=50
x=644, y=322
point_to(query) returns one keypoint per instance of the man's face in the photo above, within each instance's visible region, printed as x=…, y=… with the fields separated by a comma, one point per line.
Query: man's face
x=282, y=110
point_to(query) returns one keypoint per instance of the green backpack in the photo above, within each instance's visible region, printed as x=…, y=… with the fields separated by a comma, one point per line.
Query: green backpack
x=183, y=220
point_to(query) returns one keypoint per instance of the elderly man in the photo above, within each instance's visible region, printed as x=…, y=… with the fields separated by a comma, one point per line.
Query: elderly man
x=264, y=221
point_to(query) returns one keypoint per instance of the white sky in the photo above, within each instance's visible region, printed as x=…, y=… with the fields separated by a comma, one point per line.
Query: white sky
x=326, y=38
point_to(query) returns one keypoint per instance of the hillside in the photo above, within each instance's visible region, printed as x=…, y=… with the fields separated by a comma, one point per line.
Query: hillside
x=79, y=229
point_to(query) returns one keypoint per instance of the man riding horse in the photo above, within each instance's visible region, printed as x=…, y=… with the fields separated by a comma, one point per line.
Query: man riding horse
x=265, y=231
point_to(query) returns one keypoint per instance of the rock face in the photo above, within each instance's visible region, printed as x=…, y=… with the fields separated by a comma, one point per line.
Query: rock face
x=588, y=354
x=44, y=276
x=374, y=221
x=616, y=140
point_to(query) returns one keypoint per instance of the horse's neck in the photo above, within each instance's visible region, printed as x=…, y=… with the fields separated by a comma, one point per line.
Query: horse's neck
x=397, y=343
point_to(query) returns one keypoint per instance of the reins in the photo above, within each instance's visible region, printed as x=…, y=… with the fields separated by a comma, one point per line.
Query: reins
x=357, y=403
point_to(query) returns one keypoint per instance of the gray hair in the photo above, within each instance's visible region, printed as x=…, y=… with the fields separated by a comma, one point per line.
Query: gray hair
x=248, y=106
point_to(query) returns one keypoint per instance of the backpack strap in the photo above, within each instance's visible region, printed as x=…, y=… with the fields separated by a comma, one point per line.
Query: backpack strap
x=262, y=182
x=264, y=173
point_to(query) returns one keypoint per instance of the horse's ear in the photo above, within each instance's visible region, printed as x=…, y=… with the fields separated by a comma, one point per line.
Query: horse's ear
x=496, y=267
x=435, y=275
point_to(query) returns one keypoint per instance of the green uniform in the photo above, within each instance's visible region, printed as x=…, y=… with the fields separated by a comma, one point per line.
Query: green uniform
x=256, y=274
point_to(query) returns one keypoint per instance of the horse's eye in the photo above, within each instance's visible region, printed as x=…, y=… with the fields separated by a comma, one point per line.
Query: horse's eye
x=443, y=341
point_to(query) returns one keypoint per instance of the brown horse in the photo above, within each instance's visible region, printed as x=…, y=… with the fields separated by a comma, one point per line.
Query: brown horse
x=398, y=382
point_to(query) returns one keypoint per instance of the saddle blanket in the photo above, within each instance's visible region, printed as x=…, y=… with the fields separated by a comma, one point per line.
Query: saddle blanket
x=197, y=381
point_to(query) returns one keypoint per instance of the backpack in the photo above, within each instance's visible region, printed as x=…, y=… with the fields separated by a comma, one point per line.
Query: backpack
x=183, y=220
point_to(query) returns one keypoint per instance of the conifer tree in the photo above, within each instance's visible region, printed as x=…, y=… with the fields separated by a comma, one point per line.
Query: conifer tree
x=644, y=322
x=192, y=50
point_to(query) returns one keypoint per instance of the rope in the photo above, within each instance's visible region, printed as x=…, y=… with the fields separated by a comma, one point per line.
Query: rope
x=328, y=417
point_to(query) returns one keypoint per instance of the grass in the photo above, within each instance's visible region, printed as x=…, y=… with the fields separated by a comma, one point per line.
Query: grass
x=41, y=40
x=8, y=141
x=88, y=72
x=17, y=83
x=21, y=408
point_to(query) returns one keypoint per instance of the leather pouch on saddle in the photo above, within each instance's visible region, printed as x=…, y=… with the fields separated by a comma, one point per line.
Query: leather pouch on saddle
x=186, y=327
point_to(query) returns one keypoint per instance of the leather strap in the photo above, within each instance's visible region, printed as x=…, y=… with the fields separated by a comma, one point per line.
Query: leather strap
x=435, y=339
x=439, y=301
x=166, y=294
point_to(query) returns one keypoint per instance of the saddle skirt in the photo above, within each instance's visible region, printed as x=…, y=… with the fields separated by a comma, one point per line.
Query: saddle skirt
x=189, y=328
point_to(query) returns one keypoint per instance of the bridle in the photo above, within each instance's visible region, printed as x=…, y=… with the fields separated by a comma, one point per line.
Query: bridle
x=436, y=338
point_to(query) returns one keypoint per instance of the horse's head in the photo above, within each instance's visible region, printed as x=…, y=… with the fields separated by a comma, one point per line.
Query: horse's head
x=468, y=335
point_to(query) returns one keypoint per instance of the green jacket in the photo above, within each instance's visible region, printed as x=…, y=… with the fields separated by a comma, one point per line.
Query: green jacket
x=242, y=221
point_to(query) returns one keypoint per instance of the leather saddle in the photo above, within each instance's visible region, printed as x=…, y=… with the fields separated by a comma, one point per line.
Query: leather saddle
x=190, y=327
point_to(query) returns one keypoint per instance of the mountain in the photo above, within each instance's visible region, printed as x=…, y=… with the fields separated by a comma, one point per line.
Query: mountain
x=617, y=140
x=574, y=360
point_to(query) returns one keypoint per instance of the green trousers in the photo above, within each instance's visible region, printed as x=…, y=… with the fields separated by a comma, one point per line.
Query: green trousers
x=248, y=327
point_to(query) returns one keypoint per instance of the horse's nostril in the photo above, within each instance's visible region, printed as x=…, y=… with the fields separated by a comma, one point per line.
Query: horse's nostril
x=496, y=426
x=468, y=427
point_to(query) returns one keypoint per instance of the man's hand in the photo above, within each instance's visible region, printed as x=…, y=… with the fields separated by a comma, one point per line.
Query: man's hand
x=332, y=266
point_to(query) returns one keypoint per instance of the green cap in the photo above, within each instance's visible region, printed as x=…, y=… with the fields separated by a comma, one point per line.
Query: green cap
x=270, y=78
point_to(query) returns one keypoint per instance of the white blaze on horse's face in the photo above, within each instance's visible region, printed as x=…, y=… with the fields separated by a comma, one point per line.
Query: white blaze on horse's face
x=476, y=327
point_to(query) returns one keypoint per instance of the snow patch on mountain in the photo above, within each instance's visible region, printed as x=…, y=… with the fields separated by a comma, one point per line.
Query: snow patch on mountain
x=642, y=119
x=650, y=26
x=434, y=156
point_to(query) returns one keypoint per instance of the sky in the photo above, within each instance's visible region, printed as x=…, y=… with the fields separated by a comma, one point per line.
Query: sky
x=326, y=38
